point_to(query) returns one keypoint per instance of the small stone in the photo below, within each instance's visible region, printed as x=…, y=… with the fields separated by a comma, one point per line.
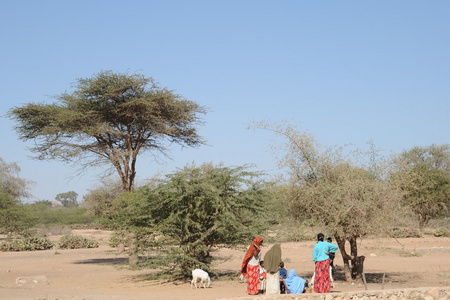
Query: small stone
x=31, y=280
x=434, y=292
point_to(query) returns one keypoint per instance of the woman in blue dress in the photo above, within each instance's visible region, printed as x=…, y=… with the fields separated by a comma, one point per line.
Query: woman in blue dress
x=294, y=283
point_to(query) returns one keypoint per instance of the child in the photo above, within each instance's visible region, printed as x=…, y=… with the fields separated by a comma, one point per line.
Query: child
x=262, y=278
x=331, y=256
x=283, y=275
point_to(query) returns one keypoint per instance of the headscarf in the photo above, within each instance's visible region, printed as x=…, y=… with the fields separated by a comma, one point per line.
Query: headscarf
x=294, y=283
x=255, y=245
x=272, y=259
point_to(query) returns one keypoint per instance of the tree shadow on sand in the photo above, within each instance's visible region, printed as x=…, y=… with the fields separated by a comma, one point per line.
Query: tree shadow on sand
x=104, y=261
x=392, y=277
x=380, y=278
x=376, y=278
x=144, y=261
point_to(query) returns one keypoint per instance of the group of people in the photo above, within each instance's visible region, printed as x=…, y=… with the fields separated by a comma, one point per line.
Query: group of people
x=268, y=275
x=262, y=274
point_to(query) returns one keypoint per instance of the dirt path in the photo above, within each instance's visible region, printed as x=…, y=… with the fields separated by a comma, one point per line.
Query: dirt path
x=96, y=273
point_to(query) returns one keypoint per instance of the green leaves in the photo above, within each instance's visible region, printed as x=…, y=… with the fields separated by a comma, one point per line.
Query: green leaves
x=194, y=211
x=76, y=242
x=26, y=244
x=68, y=199
x=110, y=118
x=423, y=174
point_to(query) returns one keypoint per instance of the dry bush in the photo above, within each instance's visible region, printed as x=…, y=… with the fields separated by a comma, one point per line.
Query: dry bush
x=76, y=242
x=26, y=244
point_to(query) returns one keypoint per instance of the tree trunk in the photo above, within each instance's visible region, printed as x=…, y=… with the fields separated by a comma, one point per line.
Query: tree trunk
x=345, y=257
x=357, y=261
x=358, y=267
x=133, y=258
x=421, y=221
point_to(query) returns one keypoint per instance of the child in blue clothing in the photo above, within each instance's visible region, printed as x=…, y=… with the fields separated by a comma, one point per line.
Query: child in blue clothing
x=283, y=275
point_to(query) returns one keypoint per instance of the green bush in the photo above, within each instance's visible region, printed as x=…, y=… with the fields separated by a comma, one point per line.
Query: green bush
x=76, y=242
x=26, y=244
x=442, y=232
x=42, y=215
x=119, y=238
x=405, y=233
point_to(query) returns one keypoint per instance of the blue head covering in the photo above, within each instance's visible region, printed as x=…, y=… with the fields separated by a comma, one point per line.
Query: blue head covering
x=295, y=284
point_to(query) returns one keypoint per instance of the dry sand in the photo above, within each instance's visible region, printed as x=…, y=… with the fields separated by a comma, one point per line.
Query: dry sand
x=96, y=273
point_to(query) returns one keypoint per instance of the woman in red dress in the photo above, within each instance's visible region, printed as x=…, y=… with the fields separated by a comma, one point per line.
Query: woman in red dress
x=322, y=261
x=250, y=266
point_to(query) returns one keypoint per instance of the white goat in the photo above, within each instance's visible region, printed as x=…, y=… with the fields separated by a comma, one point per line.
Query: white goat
x=331, y=278
x=203, y=276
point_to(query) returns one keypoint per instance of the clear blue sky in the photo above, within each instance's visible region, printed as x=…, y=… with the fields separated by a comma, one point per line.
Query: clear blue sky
x=346, y=71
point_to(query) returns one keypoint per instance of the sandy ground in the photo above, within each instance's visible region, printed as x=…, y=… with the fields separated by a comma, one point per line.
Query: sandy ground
x=97, y=273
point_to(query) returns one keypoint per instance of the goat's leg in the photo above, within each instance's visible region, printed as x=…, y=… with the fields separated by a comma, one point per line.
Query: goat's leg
x=195, y=280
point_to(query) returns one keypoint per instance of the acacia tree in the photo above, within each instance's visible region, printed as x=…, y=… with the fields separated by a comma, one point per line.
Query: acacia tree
x=68, y=199
x=10, y=181
x=423, y=173
x=110, y=118
x=194, y=211
x=344, y=195
x=12, y=190
x=99, y=200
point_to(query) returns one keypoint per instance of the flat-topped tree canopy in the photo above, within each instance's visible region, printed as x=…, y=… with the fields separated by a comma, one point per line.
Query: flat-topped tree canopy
x=110, y=118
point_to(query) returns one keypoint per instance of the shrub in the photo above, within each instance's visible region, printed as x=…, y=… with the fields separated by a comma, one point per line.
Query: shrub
x=26, y=244
x=119, y=238
x=442, y=232
x=76, y=242
x=405, y=233
x=42, y=215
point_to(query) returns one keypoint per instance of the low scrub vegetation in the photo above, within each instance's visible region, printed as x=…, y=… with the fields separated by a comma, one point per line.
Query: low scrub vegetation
x=405, y=232
x=26, y=244
x=34, y=243
x=442, y=232
x=76, y=242
x=42, y=215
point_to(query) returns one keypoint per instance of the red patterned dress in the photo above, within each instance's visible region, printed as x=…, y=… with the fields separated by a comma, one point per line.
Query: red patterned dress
x=250, y=266
x=252, y=279
x=321, y=259
x=322, y=278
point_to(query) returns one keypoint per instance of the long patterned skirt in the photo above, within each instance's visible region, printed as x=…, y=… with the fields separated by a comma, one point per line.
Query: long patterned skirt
x=322, y=282
x=252, y=279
